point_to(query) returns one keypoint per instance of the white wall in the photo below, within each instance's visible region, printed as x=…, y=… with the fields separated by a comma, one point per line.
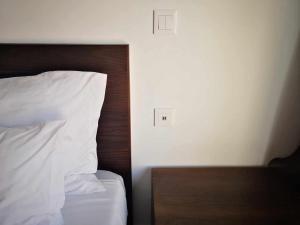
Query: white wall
x=223, y=72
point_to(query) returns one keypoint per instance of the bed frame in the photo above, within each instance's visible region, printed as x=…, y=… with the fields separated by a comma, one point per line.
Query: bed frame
x=113, y=137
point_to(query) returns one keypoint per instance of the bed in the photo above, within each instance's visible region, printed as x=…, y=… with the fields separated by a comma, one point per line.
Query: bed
x=107, y=208
x=113, y=135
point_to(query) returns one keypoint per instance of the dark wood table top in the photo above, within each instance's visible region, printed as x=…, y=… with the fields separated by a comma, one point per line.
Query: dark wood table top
x=223, y=196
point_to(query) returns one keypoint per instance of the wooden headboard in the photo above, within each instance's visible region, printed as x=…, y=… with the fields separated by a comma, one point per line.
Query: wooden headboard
x=113, y=135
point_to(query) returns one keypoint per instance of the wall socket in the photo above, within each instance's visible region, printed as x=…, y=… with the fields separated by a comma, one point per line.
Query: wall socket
x=164, y=117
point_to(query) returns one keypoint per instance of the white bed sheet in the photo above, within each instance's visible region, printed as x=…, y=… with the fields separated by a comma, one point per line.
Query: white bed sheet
x=102, y=208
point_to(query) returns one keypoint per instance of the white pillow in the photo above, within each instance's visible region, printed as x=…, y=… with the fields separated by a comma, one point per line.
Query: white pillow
x=31, y=174
x=79, y=184
x=59, y=95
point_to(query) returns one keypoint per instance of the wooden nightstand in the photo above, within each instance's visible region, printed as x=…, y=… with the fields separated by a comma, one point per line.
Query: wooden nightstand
x=223, y=196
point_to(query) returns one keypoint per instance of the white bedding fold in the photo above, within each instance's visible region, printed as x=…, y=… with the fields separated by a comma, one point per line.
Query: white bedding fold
x=31, y=179
x=102, y=208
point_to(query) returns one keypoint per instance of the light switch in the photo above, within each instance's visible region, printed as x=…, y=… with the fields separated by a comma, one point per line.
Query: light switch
x=169, y=22
x=163, y=117
x=161, y=22
x=165, y=21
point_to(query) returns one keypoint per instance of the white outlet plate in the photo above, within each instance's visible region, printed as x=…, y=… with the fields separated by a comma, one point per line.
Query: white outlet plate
x=164, y=117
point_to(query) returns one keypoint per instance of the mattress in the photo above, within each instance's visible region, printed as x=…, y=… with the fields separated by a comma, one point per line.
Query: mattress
x=103, y=208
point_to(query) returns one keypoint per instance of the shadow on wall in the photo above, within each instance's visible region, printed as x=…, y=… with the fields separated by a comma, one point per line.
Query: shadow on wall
x=285, y=136
x=142, y=197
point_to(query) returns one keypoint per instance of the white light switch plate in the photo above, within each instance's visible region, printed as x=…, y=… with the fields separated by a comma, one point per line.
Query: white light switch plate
x=165, y=21
x=164, y=117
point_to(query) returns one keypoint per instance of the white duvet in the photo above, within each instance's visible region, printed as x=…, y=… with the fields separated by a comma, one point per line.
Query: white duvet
x=31, y=177
x=32, y=186
x=101, y=208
